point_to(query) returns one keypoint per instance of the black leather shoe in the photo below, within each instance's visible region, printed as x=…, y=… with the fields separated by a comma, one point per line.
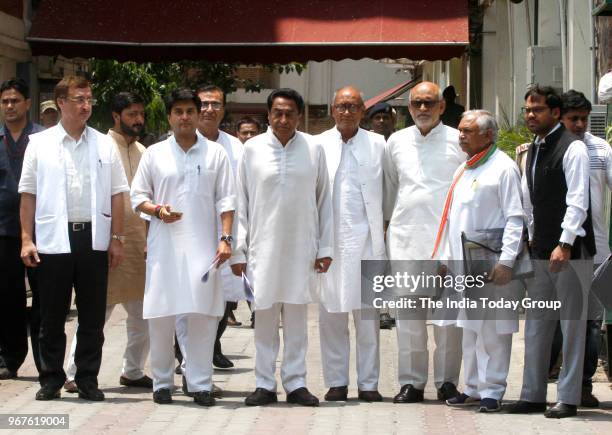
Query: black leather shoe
x=302, y=396
x=204, y=398
x=408, y=394
x=524, y=407
x=370, y=396
x=336, y=394
x=162, y=396
x=587, y=399
x=90, y=392
x=560, y=410
x=144, y=382
x=48, y=393
x=261, y=397
x=447, y=391
x=6, y=373
x=220, y=361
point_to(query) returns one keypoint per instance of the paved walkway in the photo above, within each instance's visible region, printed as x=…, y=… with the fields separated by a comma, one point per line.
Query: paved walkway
x=132, y=410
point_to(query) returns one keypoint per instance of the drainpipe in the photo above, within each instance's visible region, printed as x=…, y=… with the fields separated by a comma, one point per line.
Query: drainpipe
x=563, y=22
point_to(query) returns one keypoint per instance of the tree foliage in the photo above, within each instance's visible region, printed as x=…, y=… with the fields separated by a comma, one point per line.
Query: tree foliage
x=152, y=81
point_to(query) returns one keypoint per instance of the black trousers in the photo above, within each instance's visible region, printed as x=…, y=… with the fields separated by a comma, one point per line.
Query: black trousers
x=229, y=306
x=87, y=271
x=13, y=313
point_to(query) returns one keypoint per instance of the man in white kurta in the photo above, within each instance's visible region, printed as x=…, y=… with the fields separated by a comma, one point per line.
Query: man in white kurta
x=419, y=164
x=354, y=162
x=209, y=119
x=190, y=175
x=487, y=196
x=284, y=238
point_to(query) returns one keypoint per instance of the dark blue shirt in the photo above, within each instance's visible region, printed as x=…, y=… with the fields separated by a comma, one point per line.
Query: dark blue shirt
x=11, y=162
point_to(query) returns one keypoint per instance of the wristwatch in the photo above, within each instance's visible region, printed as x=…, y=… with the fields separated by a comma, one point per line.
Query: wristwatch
x=118, y=237
x=564, y=245
x=227, y=238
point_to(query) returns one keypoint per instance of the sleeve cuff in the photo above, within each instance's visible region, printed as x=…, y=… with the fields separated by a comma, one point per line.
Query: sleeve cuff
x=27, y=190
x=567, y=237
x=506, y=262
x=325, y=252
x=120, y=189
x=237, y=259
x=226, y=204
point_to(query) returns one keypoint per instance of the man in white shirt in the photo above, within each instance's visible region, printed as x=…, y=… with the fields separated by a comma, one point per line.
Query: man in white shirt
x=126, y=282
x=419, y=164
x=184, y=182
x=555, y=188
x=284, y=238
x=485, y=197
x=246, y=128
x=575, y=118
x=71, y=197
x=209, y=119
x=354, y=161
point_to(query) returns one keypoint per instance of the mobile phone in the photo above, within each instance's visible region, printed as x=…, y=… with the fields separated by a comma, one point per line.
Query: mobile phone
x=176, y=213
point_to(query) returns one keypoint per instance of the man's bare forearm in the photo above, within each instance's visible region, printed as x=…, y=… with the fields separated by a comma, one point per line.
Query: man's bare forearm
x=227, y=220
x=27, y=211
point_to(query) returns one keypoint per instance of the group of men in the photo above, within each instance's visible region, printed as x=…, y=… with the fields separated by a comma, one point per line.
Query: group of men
x=285, y=219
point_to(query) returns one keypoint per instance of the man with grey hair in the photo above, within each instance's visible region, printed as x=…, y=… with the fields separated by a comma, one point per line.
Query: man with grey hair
x=485, y=196
x=419, y=164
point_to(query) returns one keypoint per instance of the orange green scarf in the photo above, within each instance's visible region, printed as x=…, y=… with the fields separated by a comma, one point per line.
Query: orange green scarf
x=473, y=162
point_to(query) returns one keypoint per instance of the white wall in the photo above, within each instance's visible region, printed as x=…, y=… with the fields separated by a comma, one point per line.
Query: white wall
x=580, y=50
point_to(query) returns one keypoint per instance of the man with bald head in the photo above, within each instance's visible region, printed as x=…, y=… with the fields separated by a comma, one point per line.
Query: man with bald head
x=419, y=164
x=354, y=162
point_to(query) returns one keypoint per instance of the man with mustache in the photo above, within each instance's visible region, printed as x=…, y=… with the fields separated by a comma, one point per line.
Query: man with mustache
x=71, y=194
x=14, y=133
x=419, y=164
x=126, y=282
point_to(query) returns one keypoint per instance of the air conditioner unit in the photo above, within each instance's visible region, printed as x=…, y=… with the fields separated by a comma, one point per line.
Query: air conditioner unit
x=598, y=119
x=544, y=66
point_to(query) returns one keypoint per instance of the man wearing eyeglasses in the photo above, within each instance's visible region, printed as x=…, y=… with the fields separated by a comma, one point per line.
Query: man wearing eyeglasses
x=71, y=189
x=14, y=133
x=555, y=188
x=354, y=161
x=419, y=165
x=211, y=114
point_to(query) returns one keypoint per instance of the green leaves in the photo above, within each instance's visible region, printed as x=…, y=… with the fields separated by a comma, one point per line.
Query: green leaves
x=152, y=81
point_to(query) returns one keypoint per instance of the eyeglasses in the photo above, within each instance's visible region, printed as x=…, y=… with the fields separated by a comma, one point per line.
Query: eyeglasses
x=351, y=108
x=214, y=104
x=11, y=101
x=82, y=100
x=429, y=104
x=535, y=110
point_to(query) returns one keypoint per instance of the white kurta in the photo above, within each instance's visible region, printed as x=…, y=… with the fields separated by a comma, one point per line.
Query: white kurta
x=230, y=283
x=198, y=183
x=356, y=182
x=284, y=217
x=418, y=172
x=488, y=197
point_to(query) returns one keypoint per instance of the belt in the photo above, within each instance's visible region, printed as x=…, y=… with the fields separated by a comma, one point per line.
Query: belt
x=79, y=226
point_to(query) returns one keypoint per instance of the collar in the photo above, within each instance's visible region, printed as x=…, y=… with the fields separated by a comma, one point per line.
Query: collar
x=538, y=141
x=63, y=134
x=274, y=140
x=28, y=128
x=351, y=140
x=118, y=138
x=434, y=132
x=200, y=139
